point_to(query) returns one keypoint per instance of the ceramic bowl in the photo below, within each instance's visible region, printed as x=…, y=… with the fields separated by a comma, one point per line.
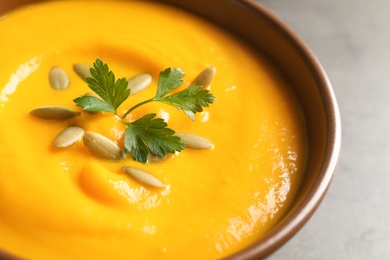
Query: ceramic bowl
x=267, y=33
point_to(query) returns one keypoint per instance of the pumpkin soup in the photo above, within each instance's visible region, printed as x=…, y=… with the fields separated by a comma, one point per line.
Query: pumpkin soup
x=61, y=201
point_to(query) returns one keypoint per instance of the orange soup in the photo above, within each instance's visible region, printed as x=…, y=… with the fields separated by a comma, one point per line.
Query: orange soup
x=68, y=204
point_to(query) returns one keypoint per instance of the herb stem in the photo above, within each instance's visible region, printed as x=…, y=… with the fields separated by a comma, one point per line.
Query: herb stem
x=138, y=105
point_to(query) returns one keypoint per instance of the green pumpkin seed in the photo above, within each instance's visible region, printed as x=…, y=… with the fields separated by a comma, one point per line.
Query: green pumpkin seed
x=54, y=112
x=143, y=177
x=69, y=136
x=102, y=147
x=139, y=82
x=194, y=141
x=58, y=78
x=205, y=77
x=82, y=70
x=157, y=159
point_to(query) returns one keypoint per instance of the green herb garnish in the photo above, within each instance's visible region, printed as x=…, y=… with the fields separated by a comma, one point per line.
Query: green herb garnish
x=103, y=83
x=147, y=134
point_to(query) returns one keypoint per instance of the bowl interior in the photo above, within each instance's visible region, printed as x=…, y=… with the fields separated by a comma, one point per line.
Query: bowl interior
x=263, y=30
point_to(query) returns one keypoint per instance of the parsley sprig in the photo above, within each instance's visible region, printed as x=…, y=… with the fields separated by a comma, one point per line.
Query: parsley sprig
x=147, y=134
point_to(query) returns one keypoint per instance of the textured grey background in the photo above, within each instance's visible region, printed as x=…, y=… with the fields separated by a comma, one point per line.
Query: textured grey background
x=351, y=38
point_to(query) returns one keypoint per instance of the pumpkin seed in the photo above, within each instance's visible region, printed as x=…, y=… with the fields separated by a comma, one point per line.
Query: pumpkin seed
x=194, y=141
x=143, y=177
x=58, y=78
x=69, y=136
x=54, y=112
x=156, y=159
x=82, y=70
x=102, y=147
x=205, y=77
x=139, y=82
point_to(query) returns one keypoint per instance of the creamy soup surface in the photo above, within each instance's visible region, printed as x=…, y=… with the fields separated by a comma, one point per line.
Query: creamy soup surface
x=68, y=204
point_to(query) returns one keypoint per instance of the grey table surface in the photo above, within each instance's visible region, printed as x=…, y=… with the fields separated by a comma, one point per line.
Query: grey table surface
x=351, y=38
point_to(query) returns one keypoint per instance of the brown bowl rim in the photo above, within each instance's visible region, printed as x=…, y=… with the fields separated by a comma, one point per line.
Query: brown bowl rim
x=300, y=215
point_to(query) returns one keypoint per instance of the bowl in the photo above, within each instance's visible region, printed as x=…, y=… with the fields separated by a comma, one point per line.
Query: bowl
x=267, y=33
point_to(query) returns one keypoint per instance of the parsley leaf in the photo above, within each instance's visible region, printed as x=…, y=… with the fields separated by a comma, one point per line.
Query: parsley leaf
x=150, y=133
x=103, y=83
x=191, y=100
x=168, y=80
x=93, y=104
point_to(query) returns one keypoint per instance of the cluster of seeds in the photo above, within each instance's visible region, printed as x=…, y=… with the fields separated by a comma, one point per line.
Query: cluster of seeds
x=101, y=146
